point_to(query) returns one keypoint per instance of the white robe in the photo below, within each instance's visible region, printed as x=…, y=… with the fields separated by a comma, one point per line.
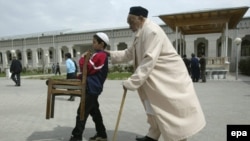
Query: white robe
x=161, y=79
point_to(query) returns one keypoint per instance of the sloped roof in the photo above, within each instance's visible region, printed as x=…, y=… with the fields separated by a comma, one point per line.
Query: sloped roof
x=207, y=21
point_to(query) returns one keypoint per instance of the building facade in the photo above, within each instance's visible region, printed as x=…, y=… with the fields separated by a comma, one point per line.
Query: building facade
x=44, y=49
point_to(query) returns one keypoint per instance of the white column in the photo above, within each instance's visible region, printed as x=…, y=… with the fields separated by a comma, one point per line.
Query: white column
x=24, y=58
x=189, y=47
x=46, y=61
x=24, y=54
x=59, y=55
x=70, y=51
x=55, y=57
x=184, y=45
x=116, y=46
x=176, y=38
x=222, y=43
x=78, y=56
x=112, y=41
x=34, y=58
x=226, y=40
x=5, y=59
x=48, y=58
x=45, y=56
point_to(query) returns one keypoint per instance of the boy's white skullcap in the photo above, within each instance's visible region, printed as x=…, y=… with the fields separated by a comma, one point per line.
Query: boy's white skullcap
x=103, y=36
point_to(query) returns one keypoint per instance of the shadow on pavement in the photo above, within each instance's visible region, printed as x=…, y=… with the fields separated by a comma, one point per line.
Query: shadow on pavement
x=11, y=85
x=61, y=133
x=247, y=82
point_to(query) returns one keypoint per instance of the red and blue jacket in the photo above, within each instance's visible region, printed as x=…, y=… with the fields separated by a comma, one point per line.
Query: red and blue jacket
x=97, y=71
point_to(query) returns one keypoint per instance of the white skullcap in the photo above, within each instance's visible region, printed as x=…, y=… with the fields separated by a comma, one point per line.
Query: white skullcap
x=103, y=36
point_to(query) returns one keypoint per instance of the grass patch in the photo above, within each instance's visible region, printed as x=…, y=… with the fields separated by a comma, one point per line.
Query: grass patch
x=3, y=74
x=119, y=75
x=45, y=77
x=111, y=76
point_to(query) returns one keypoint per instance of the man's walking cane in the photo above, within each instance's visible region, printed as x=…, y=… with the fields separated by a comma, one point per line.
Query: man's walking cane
x=119, y=115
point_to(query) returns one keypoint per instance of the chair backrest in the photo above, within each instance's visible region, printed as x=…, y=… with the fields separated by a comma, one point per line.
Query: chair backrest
x=84, y=71
x=84, y=78
x=74, y=84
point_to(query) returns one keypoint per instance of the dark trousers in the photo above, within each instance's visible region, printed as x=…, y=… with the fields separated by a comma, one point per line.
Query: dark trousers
x=195, y=74
x=203, y=75
x=71, y=76
x=92, y=109
x=16, y=78
x=58, y=71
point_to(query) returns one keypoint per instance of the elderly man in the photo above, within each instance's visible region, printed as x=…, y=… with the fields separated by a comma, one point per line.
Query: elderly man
x=162, y=81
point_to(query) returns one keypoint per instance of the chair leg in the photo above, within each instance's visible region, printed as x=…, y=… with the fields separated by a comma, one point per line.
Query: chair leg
x=82, y=108
x=48, y=106
x=52, y=106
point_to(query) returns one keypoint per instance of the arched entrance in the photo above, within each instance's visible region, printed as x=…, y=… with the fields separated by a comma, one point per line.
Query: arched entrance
x=122, y=46
x=201, y=49
x=201, y=45
x=1, y=58
x=245, y=46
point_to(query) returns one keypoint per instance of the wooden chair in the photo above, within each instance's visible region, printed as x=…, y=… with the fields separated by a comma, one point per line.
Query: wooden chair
x=64, y=87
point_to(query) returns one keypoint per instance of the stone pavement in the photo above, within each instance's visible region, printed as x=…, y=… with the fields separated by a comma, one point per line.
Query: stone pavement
x=22, y=111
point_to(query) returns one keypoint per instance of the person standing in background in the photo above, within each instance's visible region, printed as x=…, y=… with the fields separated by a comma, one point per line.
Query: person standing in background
x=71, y=71
x=187, y=63
x=16, y=69
x=53, y=68
x=203, y=68
x=195, y=68
x=57, y=69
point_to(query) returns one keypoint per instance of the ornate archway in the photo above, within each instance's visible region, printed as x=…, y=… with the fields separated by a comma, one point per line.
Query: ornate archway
x=201, y=49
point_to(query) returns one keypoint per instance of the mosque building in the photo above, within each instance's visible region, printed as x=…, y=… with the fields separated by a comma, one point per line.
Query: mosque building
x=209, y=32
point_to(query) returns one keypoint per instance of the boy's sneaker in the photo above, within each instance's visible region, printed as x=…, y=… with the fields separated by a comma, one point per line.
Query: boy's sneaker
x=73, y=138
x=98, y=138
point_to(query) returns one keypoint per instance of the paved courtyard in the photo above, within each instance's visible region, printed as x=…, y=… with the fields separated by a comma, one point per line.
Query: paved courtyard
x=22, y=111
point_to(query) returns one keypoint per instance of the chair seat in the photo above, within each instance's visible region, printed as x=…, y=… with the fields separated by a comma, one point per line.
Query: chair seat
x=66, y=87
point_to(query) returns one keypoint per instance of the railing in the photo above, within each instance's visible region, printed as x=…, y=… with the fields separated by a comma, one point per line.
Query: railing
x=217, y=60
x=217, y=67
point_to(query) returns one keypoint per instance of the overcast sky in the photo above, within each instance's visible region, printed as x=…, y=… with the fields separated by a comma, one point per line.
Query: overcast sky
x=19, y=17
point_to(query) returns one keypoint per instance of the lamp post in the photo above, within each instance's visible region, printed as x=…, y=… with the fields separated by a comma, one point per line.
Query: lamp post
x=78, y=53
x=237, y=41
x=13, y=52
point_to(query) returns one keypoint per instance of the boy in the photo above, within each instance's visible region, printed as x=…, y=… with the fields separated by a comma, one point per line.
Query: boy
x=97, y=70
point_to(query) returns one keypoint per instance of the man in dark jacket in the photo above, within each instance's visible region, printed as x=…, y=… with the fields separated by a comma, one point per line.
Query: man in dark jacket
x=195, y=68
x=16, y=69
x=187, y=63
x=203, y=67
